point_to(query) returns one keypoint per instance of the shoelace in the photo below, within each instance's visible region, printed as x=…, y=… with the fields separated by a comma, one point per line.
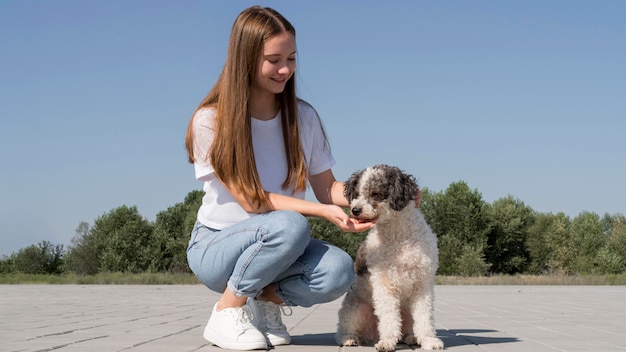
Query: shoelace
x=284, y=308
x=271, y=314
x=243, y=319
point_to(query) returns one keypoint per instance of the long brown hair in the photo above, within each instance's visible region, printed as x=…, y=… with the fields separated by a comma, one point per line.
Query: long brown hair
x=232, y=154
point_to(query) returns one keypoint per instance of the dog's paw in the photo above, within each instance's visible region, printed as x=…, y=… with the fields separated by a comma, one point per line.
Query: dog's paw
x=349, y=340
x=431, y=343
x=387, y=345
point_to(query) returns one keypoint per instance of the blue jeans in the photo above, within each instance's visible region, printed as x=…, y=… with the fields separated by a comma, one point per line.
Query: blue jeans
x=271, y=248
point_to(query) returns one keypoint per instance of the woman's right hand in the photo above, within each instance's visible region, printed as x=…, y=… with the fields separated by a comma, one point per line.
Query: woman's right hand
x=337, y=216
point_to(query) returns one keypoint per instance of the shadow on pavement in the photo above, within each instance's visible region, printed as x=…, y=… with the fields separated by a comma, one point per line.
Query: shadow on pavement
x=325, y=339
x=451, y=338
x=461, y=337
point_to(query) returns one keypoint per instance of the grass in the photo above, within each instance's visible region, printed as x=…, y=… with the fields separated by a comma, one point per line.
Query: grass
x=619, y=279
x=102, y=279
x=190, y=279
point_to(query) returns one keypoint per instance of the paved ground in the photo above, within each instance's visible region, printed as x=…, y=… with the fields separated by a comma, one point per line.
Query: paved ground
x=171, y=318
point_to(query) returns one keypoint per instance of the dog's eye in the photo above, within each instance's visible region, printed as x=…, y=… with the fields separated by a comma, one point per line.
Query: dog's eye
x=377, y=195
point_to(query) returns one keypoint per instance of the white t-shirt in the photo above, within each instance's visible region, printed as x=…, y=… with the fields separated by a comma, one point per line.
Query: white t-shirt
x=219, y=209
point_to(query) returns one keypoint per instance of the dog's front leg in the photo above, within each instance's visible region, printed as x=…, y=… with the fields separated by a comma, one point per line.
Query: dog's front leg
x=422, y=310
x=387, y=308
x=350, y=321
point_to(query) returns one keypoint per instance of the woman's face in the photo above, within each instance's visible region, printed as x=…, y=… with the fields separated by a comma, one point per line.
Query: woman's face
x=276, y=65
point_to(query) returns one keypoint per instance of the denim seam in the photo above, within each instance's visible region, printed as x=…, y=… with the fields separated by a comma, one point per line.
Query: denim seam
x=264, y=235
x=307, y=273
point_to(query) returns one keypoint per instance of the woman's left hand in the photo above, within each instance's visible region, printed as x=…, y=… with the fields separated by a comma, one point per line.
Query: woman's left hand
x=337, y=216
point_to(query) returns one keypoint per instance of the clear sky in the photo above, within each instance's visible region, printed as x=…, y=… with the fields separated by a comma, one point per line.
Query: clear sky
x=521, y=98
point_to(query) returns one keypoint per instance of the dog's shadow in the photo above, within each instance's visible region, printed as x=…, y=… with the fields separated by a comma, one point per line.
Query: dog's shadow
x=462, y=337
x=450, y=338
x=323, y=339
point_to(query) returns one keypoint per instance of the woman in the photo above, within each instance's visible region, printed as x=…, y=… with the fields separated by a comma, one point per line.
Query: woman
x=255, y=146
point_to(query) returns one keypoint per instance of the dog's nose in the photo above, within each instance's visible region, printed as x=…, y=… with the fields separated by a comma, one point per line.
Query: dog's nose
x=356, y=211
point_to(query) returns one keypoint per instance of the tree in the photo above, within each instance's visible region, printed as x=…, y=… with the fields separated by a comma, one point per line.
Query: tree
x=539, y=251
x=510, y=220
x=557, y=238
x=586, y=239
x=118, y=241
x=6, y=265
x=611, y=259
x=44, y=258
x=83, y=256
x=126, y=238
x=616, y=235
x=171, y=234
x=458, y=217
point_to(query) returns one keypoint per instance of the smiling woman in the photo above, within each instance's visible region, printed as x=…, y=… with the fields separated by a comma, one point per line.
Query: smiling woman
x=256, y=146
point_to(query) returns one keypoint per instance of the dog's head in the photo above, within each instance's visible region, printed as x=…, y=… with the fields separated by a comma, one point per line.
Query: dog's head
x=378, y=190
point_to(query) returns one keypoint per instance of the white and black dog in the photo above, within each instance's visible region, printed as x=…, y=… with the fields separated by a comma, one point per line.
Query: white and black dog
x=393, y=296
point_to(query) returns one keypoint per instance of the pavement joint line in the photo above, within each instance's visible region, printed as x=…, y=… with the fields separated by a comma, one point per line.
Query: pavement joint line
x=160, y=338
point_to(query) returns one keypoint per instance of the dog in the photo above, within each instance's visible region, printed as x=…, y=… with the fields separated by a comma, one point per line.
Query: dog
x=393, y=295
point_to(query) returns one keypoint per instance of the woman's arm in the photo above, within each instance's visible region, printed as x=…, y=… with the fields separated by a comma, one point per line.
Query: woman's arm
x=326, y=189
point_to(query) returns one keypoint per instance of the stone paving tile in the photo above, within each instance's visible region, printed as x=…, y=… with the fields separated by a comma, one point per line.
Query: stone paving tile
x=171, y=318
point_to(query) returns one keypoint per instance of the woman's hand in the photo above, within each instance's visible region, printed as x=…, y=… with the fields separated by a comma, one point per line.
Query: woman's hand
x=337, y=216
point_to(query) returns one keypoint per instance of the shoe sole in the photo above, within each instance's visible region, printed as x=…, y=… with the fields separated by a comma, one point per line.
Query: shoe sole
x=215, y=339
x=277, y=341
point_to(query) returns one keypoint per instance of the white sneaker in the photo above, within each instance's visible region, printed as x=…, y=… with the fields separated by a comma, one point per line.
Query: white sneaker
x=231, y=328
x=267, y=318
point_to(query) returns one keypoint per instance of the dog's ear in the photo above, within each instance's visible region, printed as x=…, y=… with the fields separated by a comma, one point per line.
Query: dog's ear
x=350, y=186
x=403, y=188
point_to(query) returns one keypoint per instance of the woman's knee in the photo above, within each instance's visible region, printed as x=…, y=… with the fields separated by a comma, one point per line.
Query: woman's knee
x=292, y=228
x=337, y=269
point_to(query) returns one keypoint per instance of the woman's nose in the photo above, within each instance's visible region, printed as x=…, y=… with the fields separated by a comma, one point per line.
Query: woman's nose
x=285, y=70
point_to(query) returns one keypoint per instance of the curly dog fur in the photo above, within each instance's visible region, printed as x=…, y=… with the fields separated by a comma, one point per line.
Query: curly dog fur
x=392, y=298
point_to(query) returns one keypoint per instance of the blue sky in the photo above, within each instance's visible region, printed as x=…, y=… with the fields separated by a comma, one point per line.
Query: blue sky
x=521, y=98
